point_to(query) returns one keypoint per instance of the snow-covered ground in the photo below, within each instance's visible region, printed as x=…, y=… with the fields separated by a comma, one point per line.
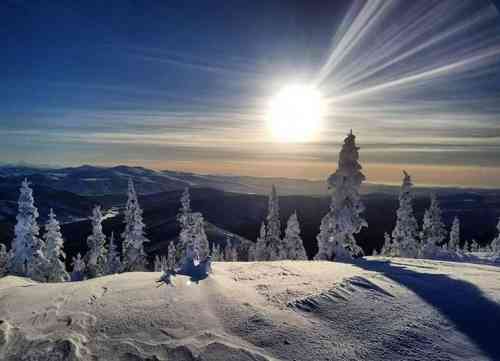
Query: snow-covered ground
x=377, y=309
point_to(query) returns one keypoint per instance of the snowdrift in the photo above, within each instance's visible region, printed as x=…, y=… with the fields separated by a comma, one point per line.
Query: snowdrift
x=376, y=309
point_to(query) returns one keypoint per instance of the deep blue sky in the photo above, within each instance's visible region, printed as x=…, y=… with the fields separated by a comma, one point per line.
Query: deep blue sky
x=183, y=85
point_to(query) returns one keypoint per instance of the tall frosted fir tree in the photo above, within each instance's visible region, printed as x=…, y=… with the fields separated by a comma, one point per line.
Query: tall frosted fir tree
x=192, y=237
x=230, y=251
x=172, y=256
x=454, y=244
x=338, y=227
x=200, y=241
x=433, y=231
x=293, y=242
x=134, y=257
x=275, y=248
x=495, y=244
x=216, y=253
x=113, y=262
x=261, y=253
x=388, y=248
x=405, y=233
x=78, y=273
x=27, y=258
x=96, y=256
x=54, y=250
x=4, y=258
x=252, y=250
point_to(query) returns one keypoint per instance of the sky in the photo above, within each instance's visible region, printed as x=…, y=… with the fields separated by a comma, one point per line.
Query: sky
x=186, y=85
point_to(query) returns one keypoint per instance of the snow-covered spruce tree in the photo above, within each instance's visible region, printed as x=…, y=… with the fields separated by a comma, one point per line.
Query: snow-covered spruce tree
x=252, y=252
x=184, y=218
x=53, y=250
x=454, y=244
x=200, y=241
x=113, y=262
x=474, y=247
x=192, y=238
x=486, y=249
x=96, y=256
x=293, y=242
x=157, y=265
x=433, y=230
x=495, y=244
x=275, y=245
x=27, y=257
x=216, y=253
x=467, y=247
x=405, y=233
x=171, y=258
x=387, y=248
x=161, y=264
x=230, y=251
x=134, y=257
x=4, y=258
x=338, y=227
x=78, y=273
x=261, y=253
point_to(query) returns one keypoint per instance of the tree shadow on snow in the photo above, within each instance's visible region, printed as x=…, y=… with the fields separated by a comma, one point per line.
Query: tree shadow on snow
x=461, y=302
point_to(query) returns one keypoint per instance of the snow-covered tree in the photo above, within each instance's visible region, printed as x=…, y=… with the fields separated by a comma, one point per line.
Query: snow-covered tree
x=4, y=259
x=201, y=245
x=157, y=264
x=293, y=242
x=486, y=249
x=454, y=244
x=134, y=257
x=230, y=251
x=276, y=248
x=192, y=238
x=433, y=230
x=78, y=273
x=261, y=253
x=387, y=248
x=252, y=250
x=216, y=253
x=160, y=263
x=113, y=262
x=495, y=244
x=172, y=256
x=338, y=227
x=474, y=247
x=27, y=257
x=56, y=271
x=96, y=256
x=405, y=233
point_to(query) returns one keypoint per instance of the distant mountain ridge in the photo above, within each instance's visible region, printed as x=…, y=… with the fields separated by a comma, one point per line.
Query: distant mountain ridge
x=88, y=180
x=93, y=180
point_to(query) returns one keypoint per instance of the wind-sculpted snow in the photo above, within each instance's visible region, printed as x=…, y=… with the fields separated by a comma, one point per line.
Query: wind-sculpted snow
x=375, y=309
x=341, y=293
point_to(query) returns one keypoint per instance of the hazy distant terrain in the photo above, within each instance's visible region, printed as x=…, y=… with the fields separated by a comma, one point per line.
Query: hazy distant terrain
x=91, y=180
x=231, y=205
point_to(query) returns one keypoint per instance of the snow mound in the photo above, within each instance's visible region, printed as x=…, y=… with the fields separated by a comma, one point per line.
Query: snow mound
x=342, y=293
x=375, y=309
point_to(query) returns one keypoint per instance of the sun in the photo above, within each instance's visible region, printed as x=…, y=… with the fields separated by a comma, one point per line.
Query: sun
x=295, y=113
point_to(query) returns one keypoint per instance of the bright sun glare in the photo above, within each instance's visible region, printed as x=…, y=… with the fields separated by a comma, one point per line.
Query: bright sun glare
x=295, y=113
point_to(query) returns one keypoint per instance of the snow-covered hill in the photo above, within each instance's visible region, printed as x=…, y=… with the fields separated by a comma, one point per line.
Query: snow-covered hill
x=374, y=310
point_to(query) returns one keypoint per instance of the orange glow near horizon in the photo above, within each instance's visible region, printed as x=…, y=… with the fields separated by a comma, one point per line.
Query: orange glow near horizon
x=422, y=175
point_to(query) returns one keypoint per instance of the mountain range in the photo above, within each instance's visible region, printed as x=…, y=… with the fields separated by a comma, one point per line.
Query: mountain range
x=233, y=206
